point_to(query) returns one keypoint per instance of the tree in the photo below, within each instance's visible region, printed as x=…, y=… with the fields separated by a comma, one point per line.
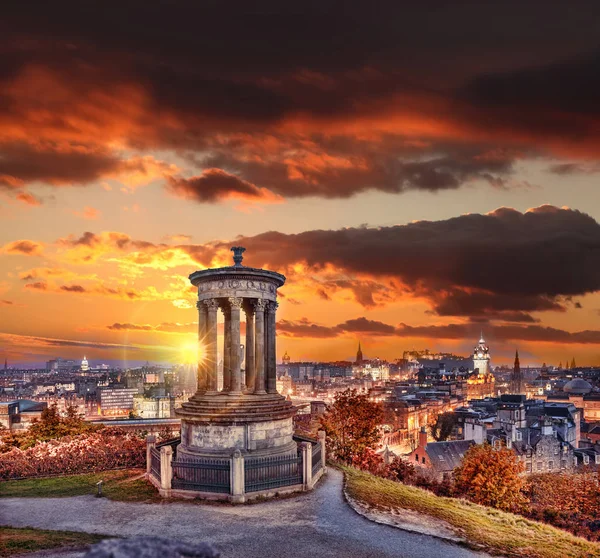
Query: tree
x=491, y=477
x=443, y=427
x=351, y=424
x=52, y=426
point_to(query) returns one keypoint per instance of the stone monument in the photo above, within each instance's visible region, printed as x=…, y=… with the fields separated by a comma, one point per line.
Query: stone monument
x=246, y=413
x=237, y=436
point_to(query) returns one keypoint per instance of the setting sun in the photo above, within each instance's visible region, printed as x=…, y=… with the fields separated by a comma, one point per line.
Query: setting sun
x=189, y=353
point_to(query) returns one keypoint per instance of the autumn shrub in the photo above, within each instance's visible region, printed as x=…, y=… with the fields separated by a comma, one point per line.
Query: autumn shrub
x=109, y=448
x=369, y=460
x=401, y=470
x=491, y=477
x=568, y=500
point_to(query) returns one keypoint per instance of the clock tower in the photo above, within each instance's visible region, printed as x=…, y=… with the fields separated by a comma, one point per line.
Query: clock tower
x=481, y=357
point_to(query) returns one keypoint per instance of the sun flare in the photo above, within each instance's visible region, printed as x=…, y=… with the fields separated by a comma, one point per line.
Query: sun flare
x=190, y=353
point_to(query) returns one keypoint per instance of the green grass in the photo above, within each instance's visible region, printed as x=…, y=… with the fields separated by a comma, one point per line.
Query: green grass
x=495, y=531
x=122, y=485
x=15, y=541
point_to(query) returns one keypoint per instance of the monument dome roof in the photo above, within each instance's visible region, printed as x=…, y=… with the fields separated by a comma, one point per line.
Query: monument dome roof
x=578, y=386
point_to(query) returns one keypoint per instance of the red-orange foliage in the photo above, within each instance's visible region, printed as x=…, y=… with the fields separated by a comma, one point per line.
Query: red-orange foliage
x=567, y=500
x=491, y=477
x=108, y=449
x=352, y=425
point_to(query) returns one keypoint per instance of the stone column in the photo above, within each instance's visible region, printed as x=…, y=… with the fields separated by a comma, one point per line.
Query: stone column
x=226, y=349
x=250, y=364
x=322, y=439
x=271, y=363
x=150, y=443
x=202, y=362
x=211, y=345
x=235, y=305
x=166, y=470
x=259, y=356
x=306, y=451
x=237, y=477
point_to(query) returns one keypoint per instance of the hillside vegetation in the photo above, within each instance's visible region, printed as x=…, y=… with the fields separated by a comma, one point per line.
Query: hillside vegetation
x=485, y=528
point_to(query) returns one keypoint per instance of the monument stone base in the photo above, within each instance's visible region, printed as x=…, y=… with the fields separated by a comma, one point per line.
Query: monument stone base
x=214, y=426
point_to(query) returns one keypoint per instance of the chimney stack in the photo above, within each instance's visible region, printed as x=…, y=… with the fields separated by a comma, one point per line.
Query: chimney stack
x=423, y=437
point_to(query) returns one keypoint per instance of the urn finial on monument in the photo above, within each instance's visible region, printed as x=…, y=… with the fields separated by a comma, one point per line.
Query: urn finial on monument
x=237, y=255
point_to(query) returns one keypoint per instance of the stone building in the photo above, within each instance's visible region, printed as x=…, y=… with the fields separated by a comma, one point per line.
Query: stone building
x=543, y=435
x=541, y=449
x=441, y=458
x=18, y=415
x=481, y=357
x=285, y=385
x=154, y=407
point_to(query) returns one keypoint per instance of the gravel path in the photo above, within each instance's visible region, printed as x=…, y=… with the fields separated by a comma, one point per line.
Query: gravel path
x=315, y=524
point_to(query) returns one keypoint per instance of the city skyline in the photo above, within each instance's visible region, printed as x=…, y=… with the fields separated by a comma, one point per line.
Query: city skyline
x=413, y=187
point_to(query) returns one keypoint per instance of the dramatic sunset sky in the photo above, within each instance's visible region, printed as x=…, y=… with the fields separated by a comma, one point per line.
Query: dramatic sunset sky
x=418, y=173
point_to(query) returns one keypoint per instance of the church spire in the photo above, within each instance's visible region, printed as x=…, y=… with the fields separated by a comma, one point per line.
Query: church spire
x=516, y=377
x=359, y=355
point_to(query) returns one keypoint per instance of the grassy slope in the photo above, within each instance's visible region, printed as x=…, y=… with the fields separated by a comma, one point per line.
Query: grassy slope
x=15, y=541
x=123, y=485
x=497, y=532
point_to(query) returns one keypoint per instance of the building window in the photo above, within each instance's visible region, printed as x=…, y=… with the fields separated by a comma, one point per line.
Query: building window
x=550, y=465
x=528, y=468
x=539, y=465
x=423, y=459
x=417, y=457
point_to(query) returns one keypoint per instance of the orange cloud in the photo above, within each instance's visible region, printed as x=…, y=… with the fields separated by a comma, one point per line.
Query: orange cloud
x=90, y=213
x=23, y=247
x=28, y=199
x=165, y=327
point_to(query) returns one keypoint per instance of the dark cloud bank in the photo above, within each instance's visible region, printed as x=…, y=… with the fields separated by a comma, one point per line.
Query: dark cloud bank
x=487, y=84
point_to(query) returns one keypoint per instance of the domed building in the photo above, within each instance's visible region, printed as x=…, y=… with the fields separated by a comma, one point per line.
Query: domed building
x=578, y=386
